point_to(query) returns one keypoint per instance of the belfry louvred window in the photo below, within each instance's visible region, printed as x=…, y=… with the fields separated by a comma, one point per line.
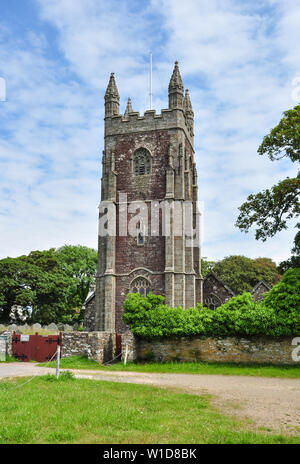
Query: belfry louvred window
x=141, y=162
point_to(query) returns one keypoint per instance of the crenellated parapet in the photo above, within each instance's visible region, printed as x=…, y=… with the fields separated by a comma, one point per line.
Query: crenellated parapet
x=133, y=122
x=179, y=115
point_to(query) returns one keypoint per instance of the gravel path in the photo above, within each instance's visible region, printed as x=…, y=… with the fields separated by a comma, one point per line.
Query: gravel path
x=270, y=402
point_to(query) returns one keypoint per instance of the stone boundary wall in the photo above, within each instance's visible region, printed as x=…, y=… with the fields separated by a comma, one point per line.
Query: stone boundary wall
x=2, y=349
x=6, y=337
x=75, y=344
x=255, y=350
x=99, y=346
x=132, y=343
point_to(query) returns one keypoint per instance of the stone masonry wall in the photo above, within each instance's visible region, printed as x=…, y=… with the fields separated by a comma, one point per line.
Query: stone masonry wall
x=257, y=350
x=3, y=349
x=258, y=291
x=7, y=336
x=129, y=256
x=90, y=315
x=131, y=342
x=102, y=346
x=75, y=344
x=99, y=346
x=214, y=286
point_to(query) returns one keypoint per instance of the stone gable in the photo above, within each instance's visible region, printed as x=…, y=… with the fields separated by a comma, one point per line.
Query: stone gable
x=215, y=291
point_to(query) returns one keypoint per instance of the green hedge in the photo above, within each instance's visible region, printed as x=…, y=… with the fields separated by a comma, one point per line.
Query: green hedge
x=278, y=315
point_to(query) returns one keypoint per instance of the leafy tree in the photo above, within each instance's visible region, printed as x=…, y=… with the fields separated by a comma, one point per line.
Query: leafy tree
x=294, y=260
x=34, y=282
x=79, y=264
x=49, y=285
x=272, y=209
x=241, y=273
x=206, y=266
x=284, y=298
x=267, y=270
x=13, y=288
x=284, y=139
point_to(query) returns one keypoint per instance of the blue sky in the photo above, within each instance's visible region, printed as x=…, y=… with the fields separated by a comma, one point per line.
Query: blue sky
x=239, y=60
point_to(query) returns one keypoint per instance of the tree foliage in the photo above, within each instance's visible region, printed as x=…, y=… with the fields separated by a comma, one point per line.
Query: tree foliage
x=284, y=139
x=206, y=266
x=49, y=286
x=241, y=273
x=13, y=288
x=271, y=210
x=294, y=260
x=284, y=298
x=79, y=265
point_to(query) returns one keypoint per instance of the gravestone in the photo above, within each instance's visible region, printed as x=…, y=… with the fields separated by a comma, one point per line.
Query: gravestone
x=12, y=327
x=24, y=328
x=53, y=327
x=68, y=328
x=37, y=327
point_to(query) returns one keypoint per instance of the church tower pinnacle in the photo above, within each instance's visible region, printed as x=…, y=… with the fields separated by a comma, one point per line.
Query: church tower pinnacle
x=112, y=98
x=189, y=113
x=128, y=107
x=176, y=89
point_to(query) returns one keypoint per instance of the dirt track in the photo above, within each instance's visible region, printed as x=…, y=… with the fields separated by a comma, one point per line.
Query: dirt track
x=270, y=402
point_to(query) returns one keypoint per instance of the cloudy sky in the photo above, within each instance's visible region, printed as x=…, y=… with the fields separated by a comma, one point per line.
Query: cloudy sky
x=240, y=60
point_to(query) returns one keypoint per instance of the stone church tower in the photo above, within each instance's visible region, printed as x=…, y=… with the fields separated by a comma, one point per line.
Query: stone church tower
x=148, y=168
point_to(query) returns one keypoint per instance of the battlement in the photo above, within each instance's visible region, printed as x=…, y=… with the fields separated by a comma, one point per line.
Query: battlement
x=168, y=119
x=179, y=115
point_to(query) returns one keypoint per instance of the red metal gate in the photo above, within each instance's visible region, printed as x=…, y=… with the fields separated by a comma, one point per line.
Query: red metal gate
x=35, y=347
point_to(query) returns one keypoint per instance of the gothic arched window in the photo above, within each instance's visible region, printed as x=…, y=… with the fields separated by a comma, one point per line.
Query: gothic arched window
x=140, y=285
x=141, y=162
x=212, y=301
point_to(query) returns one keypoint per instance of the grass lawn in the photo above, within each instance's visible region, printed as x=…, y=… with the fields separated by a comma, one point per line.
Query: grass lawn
x=10, y=359
x=47, y=410
x=81, y=362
